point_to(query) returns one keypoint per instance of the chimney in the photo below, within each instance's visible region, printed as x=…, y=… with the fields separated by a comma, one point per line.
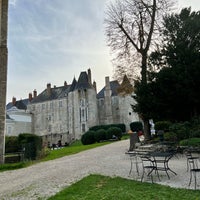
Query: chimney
x=89, y=77
x=107, y=83
x=30, y=97
x=34, y=93
x=49, y=89
x=65, y=83
x=95, y=85
x=14, y=101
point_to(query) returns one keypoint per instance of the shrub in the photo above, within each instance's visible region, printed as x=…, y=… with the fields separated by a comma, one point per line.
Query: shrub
x=88, y=138
x=43, y=153
x=195, y=133
x=182, y=130
x=162, y=125
x=113, y=132
x=100, y=135
x=136, y=126
x=32, y=144
x=106, y=127
x=170, y=136
x=11, y=144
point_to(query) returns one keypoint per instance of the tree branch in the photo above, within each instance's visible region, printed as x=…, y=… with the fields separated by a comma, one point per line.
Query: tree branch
x=128, y=36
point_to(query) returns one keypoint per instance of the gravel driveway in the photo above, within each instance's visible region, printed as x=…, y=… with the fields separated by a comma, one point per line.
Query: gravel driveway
x=47, y=178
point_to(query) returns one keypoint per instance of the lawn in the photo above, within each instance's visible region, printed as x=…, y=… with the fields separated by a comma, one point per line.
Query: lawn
x=53, y=154
x=108, y=188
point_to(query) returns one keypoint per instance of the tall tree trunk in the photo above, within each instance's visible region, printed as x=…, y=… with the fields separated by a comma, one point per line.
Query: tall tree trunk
x=3, y=73
x=147, y=132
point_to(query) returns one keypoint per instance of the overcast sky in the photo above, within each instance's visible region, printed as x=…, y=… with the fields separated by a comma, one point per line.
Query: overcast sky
x=51, y=41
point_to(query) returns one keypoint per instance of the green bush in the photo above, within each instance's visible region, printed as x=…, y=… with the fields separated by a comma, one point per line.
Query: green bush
x=170, y=136
x=136, y=126
x=162, y=125
x=190, y=142
x=11, y=144
x=100, y=135
x=182, y=130
x=195, y=133
x=88, y=138
x=31, y=144
x=113, y=132
x=106, y=127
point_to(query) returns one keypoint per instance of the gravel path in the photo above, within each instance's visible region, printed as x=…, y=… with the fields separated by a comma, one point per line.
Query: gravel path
x=47, y=178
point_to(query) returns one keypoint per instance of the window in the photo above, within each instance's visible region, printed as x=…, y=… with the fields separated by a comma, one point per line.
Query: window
x=33, y=108
x=60, y=103
x=83, y=127
x=83, y=113
x=49, y=118
x=43, y=106
x=9, y=130
x=101, y=102
x=49, y=128
x=51, y=105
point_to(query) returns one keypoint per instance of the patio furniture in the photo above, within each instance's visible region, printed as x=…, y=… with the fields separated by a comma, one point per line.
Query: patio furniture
x=191, y=159
x=149, y=167
x=194, y=169
x=134, y=160
x=161, y=160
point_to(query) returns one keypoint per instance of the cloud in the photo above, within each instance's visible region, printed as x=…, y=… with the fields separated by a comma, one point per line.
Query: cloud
x=12, y=2
x=55, y=42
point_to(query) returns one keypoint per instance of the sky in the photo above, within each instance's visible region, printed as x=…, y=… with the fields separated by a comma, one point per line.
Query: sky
x=52, y=41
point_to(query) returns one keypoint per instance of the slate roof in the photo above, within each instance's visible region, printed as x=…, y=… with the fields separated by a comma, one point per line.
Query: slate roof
x=83, y=82
x=21, y=104
x=73, y=85
x=60, y=92
x=8, y=117
x=55, y=94
x=113, y=86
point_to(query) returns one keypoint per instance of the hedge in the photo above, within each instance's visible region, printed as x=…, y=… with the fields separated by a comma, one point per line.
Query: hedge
x=136, y=126
x=106, y=127
x=31, y=144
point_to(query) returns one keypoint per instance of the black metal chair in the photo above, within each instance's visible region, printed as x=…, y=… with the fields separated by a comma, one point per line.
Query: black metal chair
x=190, y=159
x=194, y=169
x=134, y=160
x=149, y=166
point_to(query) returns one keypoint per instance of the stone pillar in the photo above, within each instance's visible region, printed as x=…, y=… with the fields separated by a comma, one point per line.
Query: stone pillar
x=3, y=73
x=108, y=102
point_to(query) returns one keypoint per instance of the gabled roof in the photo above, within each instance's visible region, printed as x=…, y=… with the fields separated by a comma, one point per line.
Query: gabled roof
x=113, y=86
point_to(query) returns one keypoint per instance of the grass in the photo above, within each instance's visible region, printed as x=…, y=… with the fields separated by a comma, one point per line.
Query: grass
x=108, y=188
x=195, y=142
x=54, y=154
x=73, y=149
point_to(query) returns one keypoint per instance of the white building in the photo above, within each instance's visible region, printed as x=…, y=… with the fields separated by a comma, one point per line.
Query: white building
x=64, y=113
x=17, y=121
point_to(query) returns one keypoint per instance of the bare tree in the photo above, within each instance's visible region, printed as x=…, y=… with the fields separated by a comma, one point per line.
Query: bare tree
x=131, y=29
x=3, y=73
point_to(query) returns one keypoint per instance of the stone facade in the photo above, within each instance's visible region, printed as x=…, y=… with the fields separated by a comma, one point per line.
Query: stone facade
x=65, y=113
